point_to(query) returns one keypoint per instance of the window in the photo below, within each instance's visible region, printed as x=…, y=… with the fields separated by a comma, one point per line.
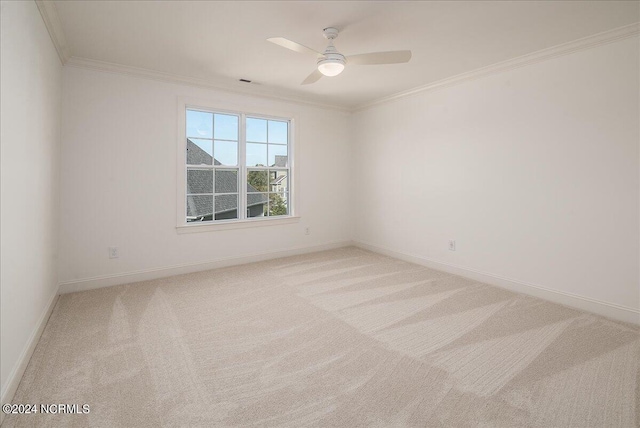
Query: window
x=237, y=166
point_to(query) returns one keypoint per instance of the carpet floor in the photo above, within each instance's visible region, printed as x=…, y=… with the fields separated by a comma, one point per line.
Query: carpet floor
x=341, y=338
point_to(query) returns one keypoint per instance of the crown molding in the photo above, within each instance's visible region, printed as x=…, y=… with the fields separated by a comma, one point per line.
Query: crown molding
x=226, y=85
x=521, y=61
x=51, y=20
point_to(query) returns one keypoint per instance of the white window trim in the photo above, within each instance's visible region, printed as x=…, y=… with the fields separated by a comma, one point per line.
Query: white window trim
x=181, y=167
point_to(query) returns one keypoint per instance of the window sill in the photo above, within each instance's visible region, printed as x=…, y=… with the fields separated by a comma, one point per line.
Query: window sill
x=197, y=227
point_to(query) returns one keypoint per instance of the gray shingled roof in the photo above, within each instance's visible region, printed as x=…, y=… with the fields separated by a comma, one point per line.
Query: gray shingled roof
x=226, y=181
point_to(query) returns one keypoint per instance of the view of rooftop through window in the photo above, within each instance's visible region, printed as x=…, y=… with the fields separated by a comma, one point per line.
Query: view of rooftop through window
x=234, y=175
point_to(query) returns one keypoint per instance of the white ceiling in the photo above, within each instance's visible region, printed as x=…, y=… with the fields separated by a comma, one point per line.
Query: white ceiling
x=225, y=41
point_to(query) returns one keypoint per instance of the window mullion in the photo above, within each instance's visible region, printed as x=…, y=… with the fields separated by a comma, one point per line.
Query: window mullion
x=213, y=161
x=242, y=182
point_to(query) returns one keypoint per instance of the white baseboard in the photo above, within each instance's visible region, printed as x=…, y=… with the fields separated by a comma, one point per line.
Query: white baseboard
x=20, y=366
x=163, y=272
x=609, y=310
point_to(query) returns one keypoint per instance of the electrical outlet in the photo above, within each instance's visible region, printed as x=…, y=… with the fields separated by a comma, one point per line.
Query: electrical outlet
x=113, y=252
x=452, y=245
x=307, y=231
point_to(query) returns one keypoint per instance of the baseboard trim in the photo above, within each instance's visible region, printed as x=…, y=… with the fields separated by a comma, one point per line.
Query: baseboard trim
x=600, y=307
x=19, y=368
x=163, y=272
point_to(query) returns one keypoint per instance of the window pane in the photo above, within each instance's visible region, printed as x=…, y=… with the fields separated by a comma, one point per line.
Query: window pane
x=257, y=181
x=199, y=124
x=200, y=208
x=278, y=156
x=226, y=153
x=278, y=204
x=278, y=181
x=278, y=132
x=226, y=181
x=225, y=127
x=199, y=181
x=256, y=154
x=256, y=130
x=257, y=204
x=199, y=152
x=226, y=207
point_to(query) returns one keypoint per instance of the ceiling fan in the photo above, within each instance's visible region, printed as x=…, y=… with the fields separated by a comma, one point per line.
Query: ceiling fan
x=331, y=62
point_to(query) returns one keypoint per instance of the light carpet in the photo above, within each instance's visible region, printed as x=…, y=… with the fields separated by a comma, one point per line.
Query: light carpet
x=341, y=338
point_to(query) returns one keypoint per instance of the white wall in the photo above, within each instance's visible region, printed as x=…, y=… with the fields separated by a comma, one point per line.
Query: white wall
x=534, y=172
x=31, y=76
x=118, y=185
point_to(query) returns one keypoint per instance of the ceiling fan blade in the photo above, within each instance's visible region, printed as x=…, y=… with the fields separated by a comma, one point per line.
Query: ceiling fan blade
x=312, y=78
x=393, y=57
x=289, y=44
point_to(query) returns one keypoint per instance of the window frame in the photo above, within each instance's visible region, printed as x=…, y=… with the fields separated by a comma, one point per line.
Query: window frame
x=242, y=221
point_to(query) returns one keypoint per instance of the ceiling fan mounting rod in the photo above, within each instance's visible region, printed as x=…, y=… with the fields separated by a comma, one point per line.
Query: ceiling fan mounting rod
x=330, y=33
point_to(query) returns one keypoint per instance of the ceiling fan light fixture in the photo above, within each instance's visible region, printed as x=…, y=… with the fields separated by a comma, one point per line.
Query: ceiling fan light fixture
x=331, y=64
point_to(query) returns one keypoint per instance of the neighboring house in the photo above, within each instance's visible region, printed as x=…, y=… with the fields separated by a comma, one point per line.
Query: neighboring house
x=278, y=181
x=281, y=161
x=199, y=206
